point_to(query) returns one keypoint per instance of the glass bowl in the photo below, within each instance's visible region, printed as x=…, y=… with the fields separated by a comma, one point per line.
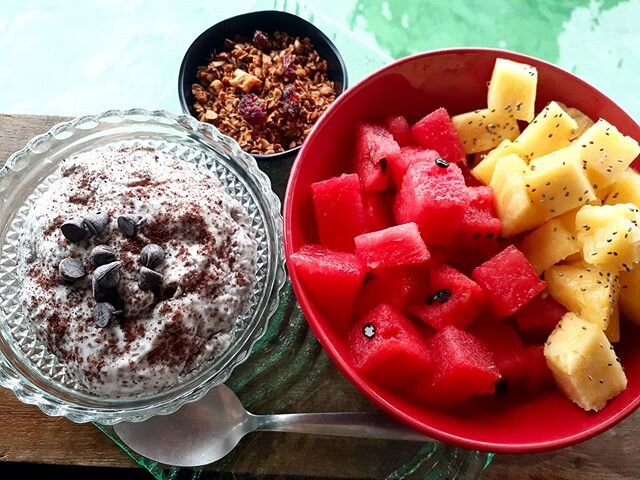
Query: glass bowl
x=26, y=367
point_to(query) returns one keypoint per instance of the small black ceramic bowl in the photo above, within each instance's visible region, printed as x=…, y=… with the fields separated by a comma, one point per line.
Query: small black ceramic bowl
x=268, y=21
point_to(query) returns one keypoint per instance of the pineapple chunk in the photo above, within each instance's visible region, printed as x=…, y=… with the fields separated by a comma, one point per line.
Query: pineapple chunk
x=513, y=88
x=591, y=292
x=557, y=183
x=583, y=363
x=626, y=189
x=552, y=242
x=606, y=153
x=613, y=328
x=513, y=205
x=629, y=297
x=483, y=171
x=482, y=130
x=584, y=122
x=581, y=118
x=609, y=234
x=551, y=130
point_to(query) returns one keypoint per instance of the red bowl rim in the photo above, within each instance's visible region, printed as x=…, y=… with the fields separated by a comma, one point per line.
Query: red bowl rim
x=344, y=367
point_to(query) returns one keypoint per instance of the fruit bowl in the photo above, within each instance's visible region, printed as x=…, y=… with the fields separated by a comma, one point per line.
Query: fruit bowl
x=457, y=80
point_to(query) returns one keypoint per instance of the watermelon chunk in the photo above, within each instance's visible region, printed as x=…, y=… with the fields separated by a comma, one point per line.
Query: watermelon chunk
x=509, y=280
x=463, y=367
x=392, y=247
x=538, y=377
x=378, y=211
x=507, y=349
x=454, y=299
x=435, y=198
x=339, y=209
x=375, y=149
x=400, y=129
x=397, y=287
x=436, y=132
x=408, y=156
x=387, y=347
x=537, y=319
x=332, y=278
x=478, y=238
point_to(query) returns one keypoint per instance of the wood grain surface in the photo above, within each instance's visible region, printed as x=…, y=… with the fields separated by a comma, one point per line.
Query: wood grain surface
x=27, y=435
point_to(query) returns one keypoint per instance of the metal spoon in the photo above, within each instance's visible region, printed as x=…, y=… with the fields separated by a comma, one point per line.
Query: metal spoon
x=205, y=431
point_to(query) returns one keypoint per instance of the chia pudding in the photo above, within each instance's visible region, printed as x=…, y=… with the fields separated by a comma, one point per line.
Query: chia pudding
x=136, y=266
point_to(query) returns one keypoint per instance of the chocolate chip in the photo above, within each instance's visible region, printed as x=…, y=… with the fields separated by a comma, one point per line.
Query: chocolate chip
x=95, y=223
x=129, y=224
x=152, y=256
x=442, y=163
x=71, y=269
x=369, y=330
x=106, y=276
x=104, y=313
x=149, y=279
x=441, y=296
x=74, y=230
x=101, y=255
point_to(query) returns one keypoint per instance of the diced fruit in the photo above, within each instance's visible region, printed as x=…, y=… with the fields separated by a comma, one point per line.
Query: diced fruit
x=514, y=207
x=506, y=347
x=482, y=130
x=408, y=156
x=435, y=197
x=332, y=278
x=629, y=296
x=591, y=292
x=339, y=209
x=626, y=189
x=509, y=280
x=613, y=328
x=606, y=153
x=397, y=287
x=392, y=247
x=454, y=299
x=388, y=348
x=557, y=183
x=436, y=132
x=537, y=376
x=483, y=171
x=375, y=149
x=551, y=130
x=513, y=89
x=537, y=319
x=377, y=209
x=478, y=239
x=609, y=234
x=584, y=363
x=400, y=129
x=584, y=122
x=552, y=242
x=465, y=368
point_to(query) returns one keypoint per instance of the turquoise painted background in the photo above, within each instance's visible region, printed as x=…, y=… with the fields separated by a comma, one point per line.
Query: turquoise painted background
x=71, y=57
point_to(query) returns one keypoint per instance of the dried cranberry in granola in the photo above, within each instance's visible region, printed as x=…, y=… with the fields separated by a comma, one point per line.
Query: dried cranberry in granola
x=266, y=91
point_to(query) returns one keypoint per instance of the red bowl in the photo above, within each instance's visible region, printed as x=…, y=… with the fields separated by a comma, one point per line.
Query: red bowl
x=456, y=79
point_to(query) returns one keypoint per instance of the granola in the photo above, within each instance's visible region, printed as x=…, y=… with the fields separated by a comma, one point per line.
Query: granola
x=266, y=93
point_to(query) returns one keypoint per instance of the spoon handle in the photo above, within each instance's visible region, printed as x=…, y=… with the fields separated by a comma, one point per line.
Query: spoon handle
x=361, y=425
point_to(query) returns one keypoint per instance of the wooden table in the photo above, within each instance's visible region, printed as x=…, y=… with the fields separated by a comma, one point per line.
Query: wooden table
x=27, y=436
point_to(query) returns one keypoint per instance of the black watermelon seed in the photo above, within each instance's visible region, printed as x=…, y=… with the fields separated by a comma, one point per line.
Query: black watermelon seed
x=441, y=296
x=442, y=163
x=383, y=164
